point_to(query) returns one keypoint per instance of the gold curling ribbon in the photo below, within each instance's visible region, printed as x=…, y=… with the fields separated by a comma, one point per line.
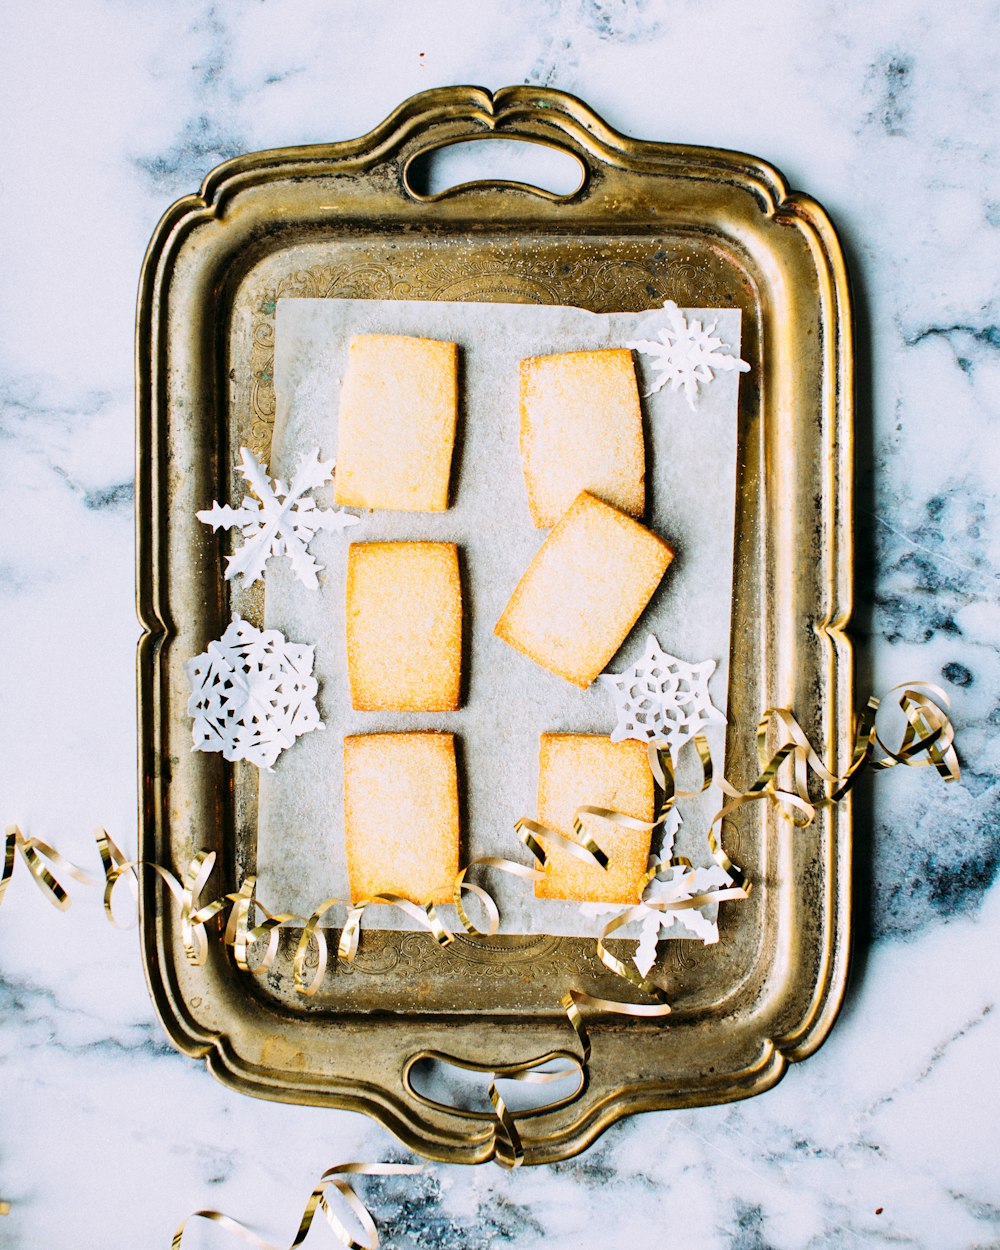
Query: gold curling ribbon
x=572, y=1001
x=240, y=933
x=493, y=912
x=507, y=1126
x=116, y=867
x=425, y=913
x=237, y=933
x=661, y=765
x=532, y=833
x=628, y=972
x=929, y=732
x=31, y=851
x=528, y=1073
x=334, y=1177
x=575, y=999
x=194, y=938
x=312, y=931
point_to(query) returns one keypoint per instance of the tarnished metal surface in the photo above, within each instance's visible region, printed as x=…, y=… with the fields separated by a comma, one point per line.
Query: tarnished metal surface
x=650, y=222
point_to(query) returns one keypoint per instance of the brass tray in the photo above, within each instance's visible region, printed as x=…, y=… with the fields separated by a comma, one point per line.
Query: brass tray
x=650, y=221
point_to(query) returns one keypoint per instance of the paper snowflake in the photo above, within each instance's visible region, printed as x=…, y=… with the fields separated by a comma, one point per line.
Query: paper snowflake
x=680, y=884
x=662, y=699
x=252, y=694
x=685, y=353
x=675, y=886
x=282, y=520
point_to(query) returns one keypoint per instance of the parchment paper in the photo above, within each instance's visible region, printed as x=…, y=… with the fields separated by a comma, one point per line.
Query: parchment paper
x=508, y=700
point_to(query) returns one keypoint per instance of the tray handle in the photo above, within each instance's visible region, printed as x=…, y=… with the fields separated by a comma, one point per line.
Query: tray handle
x=440, y=118
x=537, y=1071
x=567, y=169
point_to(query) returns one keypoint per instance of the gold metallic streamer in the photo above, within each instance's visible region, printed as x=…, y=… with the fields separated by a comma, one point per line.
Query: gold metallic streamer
x=927, y=741
x=193, y=935
x=194, y=938
x=530, y=1074
x=240, y=934
x=349, y=935
x=311, y=932
x=493, y=912
x=507, y=1127
x=658, y=867
x=9, y=851
x=629, y=972
x=929, y=730
x=573, y=999
x=425, y=913
x=238, y=924
x=662, y=765
x=31, y=851
x=116, y=867
x=332, y=1177
x=533, y=834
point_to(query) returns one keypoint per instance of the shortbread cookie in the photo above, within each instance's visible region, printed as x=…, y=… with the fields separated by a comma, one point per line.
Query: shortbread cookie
x=577, y=770
x=581, y=429
x=397, y=417
x=404, y=627
x=401, y=815
x=584, y=590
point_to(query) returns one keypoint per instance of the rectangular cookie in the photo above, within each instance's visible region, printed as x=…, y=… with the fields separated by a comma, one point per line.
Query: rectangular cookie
x=581, y=429
x=590, y=770
x=401, y=815
x=584, y=590
x=396, y=426
x=403, y=616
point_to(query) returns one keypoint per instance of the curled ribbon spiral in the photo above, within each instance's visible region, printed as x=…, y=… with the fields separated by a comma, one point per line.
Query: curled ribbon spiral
x=783, y=779
x=317, y=1202
x=532, y=1074
x=32, y=851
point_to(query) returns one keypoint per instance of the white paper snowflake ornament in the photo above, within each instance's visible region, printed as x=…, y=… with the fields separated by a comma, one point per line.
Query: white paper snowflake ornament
x=282, y=520
x=676, y=885
x=685, y=354
x=252, y=694
x=662, y=699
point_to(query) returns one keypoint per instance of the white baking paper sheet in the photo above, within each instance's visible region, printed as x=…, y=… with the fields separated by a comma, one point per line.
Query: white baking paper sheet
x=508, y=700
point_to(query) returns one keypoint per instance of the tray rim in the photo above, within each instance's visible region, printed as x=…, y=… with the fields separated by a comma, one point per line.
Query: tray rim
x=457, y=108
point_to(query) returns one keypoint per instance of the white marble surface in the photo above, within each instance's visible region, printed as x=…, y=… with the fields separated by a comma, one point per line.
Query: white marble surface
x=887, y=114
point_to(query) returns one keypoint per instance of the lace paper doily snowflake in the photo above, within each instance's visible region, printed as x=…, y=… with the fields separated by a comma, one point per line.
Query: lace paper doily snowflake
x=252, y=694
x=685, y=354
x=282, y=520
x=662, y=699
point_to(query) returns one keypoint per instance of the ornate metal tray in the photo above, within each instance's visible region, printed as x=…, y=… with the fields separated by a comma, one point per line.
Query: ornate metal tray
x=650, y=221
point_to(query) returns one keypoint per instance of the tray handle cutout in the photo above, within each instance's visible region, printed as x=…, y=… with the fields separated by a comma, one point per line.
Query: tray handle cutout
x=531, y=165
x=460, y=1087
